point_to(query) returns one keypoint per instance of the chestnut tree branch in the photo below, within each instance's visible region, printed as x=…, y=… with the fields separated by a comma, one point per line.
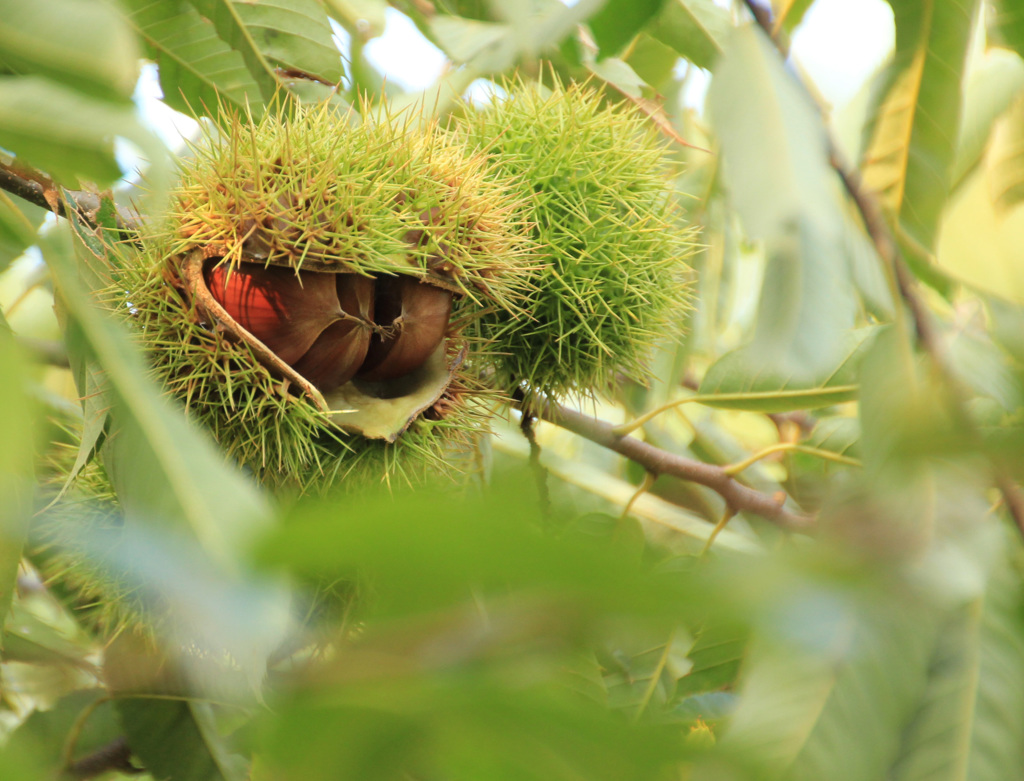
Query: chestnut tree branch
x=888, y=250
x=737, y=496
x=38, y=189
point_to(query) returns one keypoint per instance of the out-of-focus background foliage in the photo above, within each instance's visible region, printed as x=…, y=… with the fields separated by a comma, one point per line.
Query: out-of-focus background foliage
x=871, y=353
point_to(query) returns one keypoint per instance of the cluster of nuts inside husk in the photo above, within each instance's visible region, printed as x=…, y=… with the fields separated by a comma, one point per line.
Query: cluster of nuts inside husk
x=331, y=328
x=376, y=270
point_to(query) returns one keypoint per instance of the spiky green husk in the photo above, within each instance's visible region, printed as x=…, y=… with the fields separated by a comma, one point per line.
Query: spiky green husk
x=259, y=421
x=308, y=189
x=603, y=213
x=378, y=196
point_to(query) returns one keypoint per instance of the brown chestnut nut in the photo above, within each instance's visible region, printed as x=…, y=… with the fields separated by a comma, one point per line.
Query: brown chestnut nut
x=338, y=352
x=318, y=323
x=413, y=317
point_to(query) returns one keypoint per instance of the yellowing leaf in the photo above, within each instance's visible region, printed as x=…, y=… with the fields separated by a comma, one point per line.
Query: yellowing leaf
x=912, y=133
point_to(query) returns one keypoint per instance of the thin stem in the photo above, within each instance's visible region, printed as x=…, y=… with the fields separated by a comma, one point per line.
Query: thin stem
x=727, y=515
x=643, y=488
x=539, y=472
x=628, y=428
x=782, y=447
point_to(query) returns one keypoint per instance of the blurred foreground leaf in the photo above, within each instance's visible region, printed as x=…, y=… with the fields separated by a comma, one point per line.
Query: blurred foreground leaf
x=87, y=46
x=17, y=438
x=785, y=191
x=971, y=718
x=165, y=470
x=66, y=133
x=179, y=740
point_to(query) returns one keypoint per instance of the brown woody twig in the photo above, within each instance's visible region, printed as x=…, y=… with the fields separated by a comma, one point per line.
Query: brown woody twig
x=737, y=496
x=40, y=190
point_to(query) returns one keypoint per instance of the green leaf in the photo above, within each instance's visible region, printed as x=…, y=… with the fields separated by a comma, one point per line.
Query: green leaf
x=825, y=692
x=980, y=245
x=16, y=434
x=294, y=35
x=909, y=156
x=290, y=34
x=86, y=46
x=95, y=415
x=620, y=75
x=65, y=133
x=991, y=88
x=1009, y=21
x=791, y=12
x=971, y=717
x=696, y=29
x=904, y=420
x=486, y=722
x=230, y=28
x=1004, y=159
x=1007, y=327
x=164, y=470
x=198, y=71
x=837, y=435
x=422, y=550
x=618, y=22
x=27, y=638
x=82, y=715
x=983, y=368
x=716, y=657
x=179, y=739
x=21, y=760
x=18, y=225
x=653, y=61
x=527, y=30
x=643, y=679
x=463, y=40
x=741, y=380
x=773, y=142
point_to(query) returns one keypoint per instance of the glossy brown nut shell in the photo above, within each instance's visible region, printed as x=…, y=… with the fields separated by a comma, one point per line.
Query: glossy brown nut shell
x=285, y=310
x=415, y=318
x=338, y=353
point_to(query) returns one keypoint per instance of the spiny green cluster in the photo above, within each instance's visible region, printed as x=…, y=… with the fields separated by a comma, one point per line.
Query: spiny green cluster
x=313, y=190
x=603, y=214
x=258, y=420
